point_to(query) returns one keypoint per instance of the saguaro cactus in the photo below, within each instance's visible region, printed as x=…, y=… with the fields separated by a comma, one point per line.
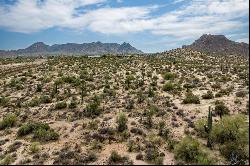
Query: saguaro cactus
x=83, y=90
x=208, y=127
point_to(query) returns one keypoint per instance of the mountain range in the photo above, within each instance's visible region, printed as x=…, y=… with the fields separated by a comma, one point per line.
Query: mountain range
x=94, y=48
x=213, y=44
x=218, y=44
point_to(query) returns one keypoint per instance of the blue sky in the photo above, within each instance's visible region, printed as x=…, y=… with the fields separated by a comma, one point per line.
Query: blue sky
x=149, y=25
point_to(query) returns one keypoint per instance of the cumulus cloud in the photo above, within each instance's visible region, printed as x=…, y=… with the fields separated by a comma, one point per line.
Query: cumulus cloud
x=245, y=40
x=189, y=21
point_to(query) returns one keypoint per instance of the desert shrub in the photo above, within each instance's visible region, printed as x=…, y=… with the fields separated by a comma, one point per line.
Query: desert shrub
x=191, y=99
x=72, y=104
x=199, y=127
x=151, y=92
x=122, y=122
x=7, y=160
x=70, y=80
x=231, y=132
x=24, y=130
x=45, y=99
x=93, y=125
x=34, y=102
x=190, y=151
x=34, y=147
x=208, y=95
x=8, y=121
x=149, y=114
x=241, y=93
x=188, y=86
x=222, y=92
x=83, y=74
x=91, y=157
x=163, y=131
x=115, y=158
x=3, y=101
x=45, y=135
x=216, y=86
x=38, y=88
x=140, y=97
x=235, y=153
x=30, y=127
x=152, y=154
x=230, y=129
x=220, y=109
x=130, y=104
x=187, y=149
x=169, y=76
x=96, y=145
x=92, y=109
x=171, y=143
x=42, y=132
x=168, y=86
x=133, y=146
x=61, y=105
x=129, y=79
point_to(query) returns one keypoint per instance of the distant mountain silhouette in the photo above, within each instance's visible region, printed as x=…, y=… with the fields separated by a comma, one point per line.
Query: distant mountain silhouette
x=94, y=48
x=218, y=44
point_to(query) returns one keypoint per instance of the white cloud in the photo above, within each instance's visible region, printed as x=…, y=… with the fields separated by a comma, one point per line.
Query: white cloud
x=187, y=22
x=245, y=40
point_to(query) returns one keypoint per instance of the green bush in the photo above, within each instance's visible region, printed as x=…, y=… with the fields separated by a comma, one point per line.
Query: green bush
x=34, y=147
x=241, y=93
x=230, y=128
x=45, y=99
x=231, y=132
x=187, y=149
x=199, y=127
x=8, y=121
x=34, y=102
x=151, y=92
x=61, y=105
x=115, y=158
x=191, y=99
x=169, y=76
x=93, y=125
x=73, y=104
x=41, y=131
x=208, y=95
x=7, y=160
x=3, y=101
x=30, y=127
x=45, y=135
x=220, y=109
x=163, y=131
x=92, y=109
x=190, y=151
x=122, y=122
x=235, y=153
x=38, y=88
x=168, y=86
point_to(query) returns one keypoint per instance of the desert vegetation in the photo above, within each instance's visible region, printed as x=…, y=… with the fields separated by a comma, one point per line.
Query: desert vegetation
x=176, y=107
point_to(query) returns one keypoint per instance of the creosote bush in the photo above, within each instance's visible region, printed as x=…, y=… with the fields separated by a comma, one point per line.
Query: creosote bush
x=122, y=122
x=189, y=150
x=208, y=95
x=9, y=121
x=41, y=131
x=191, y=99
x=231, y=133
x=220, y=109
x=61, y=105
